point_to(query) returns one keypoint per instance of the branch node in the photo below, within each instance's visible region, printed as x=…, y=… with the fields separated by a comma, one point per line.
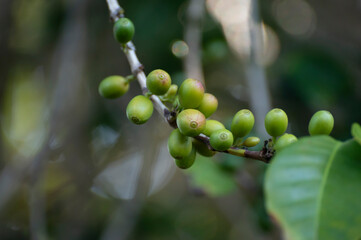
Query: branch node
x=137, y=69
x=145, y=91
x=116, y=14
x=131, y=46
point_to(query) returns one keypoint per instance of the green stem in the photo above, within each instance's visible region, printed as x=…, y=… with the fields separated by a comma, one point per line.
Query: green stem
x=238, y=142
x=274, y=139
x=237, y=152
x=148, y=94
x=130, y=78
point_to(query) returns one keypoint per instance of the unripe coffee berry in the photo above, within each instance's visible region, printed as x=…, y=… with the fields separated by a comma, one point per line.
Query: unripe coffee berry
x=191, y=93
x=321, y=123
x=191, y=122
x=188, y=161
x=123, y=30
x=113, y=87
x=158, y=82
x=179, y=146
x=221, y=140
x=209, y=105
x=212, y=126
x=202, y=148
x=139, y=109
x=242, y=123
x=276, y=122
x=285, y=140
x=251, y=142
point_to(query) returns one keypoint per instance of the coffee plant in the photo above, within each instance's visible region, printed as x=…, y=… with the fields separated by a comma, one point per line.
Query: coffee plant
x=312, y=185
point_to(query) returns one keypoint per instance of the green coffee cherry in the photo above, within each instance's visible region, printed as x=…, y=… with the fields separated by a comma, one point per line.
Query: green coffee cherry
x=191, y=122
x=276, y=122
x=188, y=161
x=172, y=92
x=123, y=30
x=212, y=126
x=285, y=140
x=113, y=87
x=321, y=123
x=139, y=109
x=191, y=93
x=179, y=146
x=209, y=105
x=158, y=82
x=202, y=148
x=221, y=140
x=242, y=123
x=251, y=142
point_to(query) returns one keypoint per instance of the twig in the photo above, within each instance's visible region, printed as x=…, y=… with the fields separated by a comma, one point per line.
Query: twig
x=116, y=12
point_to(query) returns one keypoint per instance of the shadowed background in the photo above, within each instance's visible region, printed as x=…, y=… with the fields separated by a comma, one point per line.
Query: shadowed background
x=74, y=167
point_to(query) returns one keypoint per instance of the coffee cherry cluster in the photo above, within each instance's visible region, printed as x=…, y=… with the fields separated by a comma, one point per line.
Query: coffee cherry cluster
x=191, y=108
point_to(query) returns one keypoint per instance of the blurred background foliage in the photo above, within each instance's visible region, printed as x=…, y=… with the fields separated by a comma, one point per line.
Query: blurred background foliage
x=73, y=166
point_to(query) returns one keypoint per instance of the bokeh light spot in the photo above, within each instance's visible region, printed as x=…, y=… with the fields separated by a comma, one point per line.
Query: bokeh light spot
x=180, y=49
x=296, y=17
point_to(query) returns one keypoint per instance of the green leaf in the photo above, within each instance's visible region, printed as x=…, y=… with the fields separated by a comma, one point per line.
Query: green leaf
x=205, y=174
x=313, y=188
x=356, y=132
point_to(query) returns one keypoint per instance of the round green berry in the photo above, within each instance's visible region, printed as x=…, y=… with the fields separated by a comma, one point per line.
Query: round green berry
x=191, y=122
x=276, y=122
x=221, y=140
x=202, y=148
x=209, y=105
x=285, y=140
x=186, y=162
x=139, y=109
x=191, y=93
x=242, y=123
x=179, y=146
x=251, y=142
x=321, y=123
x=123, y=30
x=212, y=126
x=113, y=87
x=158, y=82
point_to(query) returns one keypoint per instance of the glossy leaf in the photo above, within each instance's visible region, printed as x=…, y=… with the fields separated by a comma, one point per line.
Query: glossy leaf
x=313, y=189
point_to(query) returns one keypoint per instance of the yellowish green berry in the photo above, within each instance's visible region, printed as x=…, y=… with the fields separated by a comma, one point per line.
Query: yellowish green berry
x=179, y=146
x=276, y=122
x=209, y=105
x=113, y=87
x=191, y=122
x=191, y=93
x=221, y=140
x=212, y=126
x=139, y=109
